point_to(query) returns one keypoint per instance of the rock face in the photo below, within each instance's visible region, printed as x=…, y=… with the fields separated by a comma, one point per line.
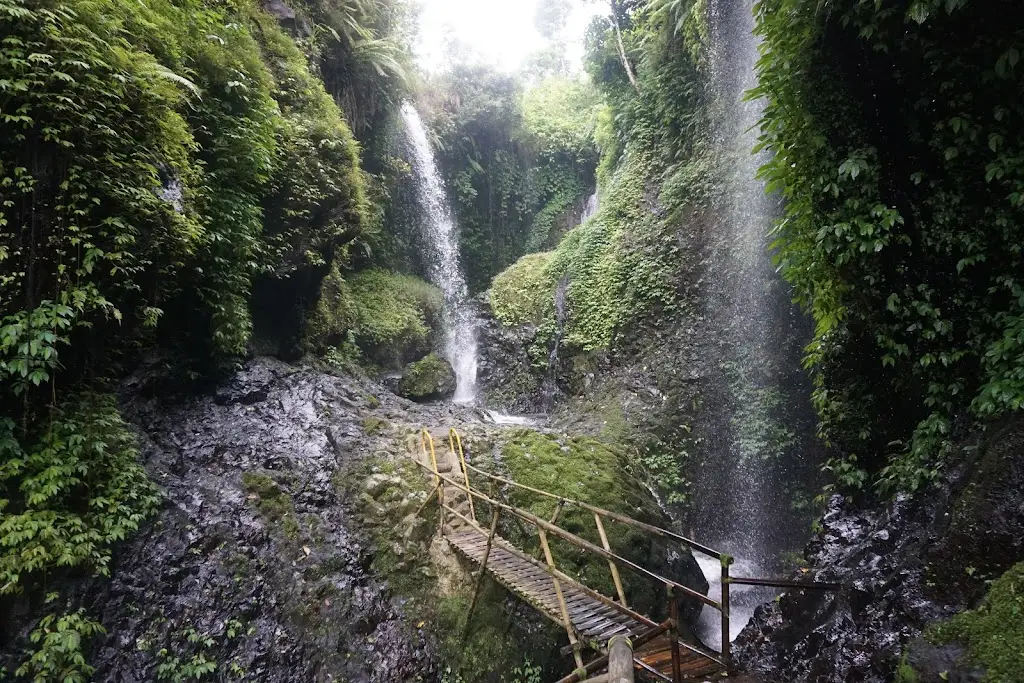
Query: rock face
x=255, y=548
x=912, y=563
x=428, y=379
x=504, y=369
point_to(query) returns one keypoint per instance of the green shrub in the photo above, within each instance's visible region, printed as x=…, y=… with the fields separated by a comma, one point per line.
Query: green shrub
x=396, y=315
x=899, y=157
x=431, y=377
x=71, y=495
x=592, y=472
x=58, y=655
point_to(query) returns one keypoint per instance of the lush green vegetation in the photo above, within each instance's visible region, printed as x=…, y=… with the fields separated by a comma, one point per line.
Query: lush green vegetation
x=431, y=377
x=386, y=318
x=516, y=163
x=160, y=164
x=521, y=294
x=994, y=632
x=895, y=129
x=593, y=472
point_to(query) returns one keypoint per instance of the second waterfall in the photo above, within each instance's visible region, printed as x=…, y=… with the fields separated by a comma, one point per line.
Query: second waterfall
x=442, y=259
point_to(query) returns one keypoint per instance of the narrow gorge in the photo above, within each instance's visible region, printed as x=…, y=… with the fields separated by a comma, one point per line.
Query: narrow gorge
x=711, y=308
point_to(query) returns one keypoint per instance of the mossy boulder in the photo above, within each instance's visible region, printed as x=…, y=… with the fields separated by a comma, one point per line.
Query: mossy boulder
x=985, y=644
x=391, y=318
x=594, y=472
x=428, y=379
x=523, y=294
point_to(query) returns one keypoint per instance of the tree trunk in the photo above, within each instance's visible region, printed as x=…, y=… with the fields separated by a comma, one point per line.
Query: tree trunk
x=614, y=19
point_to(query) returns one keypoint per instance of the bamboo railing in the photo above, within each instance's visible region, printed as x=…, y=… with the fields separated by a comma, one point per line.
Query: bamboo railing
x=616, y=563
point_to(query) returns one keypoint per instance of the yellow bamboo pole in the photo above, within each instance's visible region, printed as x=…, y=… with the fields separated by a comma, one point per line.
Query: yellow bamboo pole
x=453, y=440
x=426, y=440
x=611, y=565
x=483, y=570
x=577, y=655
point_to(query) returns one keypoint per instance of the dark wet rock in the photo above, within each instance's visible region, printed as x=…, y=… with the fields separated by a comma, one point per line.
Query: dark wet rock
x=940, y=663
x=505, y=372
x=255, y=546
x=911, y=563
x=293, y=22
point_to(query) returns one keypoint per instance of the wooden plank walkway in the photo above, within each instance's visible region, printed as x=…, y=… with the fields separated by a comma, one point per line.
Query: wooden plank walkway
x=593, y=620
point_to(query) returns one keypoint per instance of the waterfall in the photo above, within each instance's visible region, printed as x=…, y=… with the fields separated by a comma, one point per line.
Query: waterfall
x=590, y=208
x=549, y=387
x=444, y=268
x=765, y=409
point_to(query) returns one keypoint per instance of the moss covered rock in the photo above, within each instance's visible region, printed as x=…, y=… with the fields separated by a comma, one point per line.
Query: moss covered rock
x=524, y=292
x=990, y=638
x=594, y=472
x=388, y=318
x=427, y=379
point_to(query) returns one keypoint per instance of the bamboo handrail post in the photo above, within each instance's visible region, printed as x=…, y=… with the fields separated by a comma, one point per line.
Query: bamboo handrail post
x=423, y=505
x=554, y=518
x=611, y=565
x=483, y=570
x=673, y=635
x=425, y=440
x=577, y=655
x=649, y=528
x=620, y=660
x=726, y=645
x=453, y=440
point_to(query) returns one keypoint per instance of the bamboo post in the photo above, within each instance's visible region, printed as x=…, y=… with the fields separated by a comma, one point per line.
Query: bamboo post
x=423, y=506
x=577, y=655
x=453, y=439
x=483, y=570
x=726, y=645
x=427, y=440
x=611, y=565
x=620, y=660
x=553, y=520
x=673, y=635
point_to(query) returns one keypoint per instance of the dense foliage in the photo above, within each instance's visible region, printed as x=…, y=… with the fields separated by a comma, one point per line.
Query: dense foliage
x=517, y=163
x=896, y=129
x=623, y=265
x=157, y=161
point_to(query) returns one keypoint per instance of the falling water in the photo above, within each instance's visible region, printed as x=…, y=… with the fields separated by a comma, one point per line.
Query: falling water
x=747, y=508
x=549, y=388
x=442, y=258
x=590, y=208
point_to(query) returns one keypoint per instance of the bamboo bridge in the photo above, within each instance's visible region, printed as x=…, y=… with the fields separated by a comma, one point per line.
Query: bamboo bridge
x=591, y=620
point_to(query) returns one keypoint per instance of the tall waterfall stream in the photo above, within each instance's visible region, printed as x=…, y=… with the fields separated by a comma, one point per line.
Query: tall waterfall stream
x=748, y=500
x=444, y=268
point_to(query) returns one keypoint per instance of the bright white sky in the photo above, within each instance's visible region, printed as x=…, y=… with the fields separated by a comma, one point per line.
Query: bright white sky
x=500, y=31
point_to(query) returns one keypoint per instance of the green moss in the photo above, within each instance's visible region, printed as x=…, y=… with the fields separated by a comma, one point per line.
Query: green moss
x=524, y=292
x=428, y=378
x=375, y=425
x=386, y=317
x=592, y=472
x=994, y=633
x=274, y=504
